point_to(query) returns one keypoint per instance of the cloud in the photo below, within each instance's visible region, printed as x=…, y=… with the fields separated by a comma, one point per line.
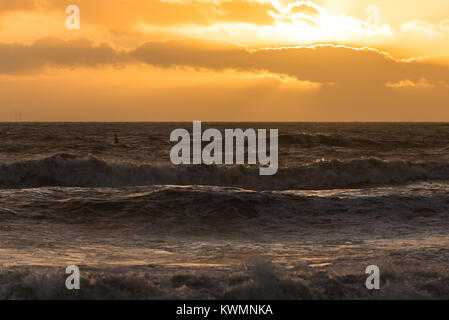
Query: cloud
x=304, y=7
x=418, y=29
x=247, y=20
x=19, y=58
x=22, y=5
x=300, y=11
x=317, y=63
x=124, y=15
x=421, y=84
x=299, y=22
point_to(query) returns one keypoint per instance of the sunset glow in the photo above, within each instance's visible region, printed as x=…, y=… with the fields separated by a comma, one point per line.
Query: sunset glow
x=184, y=60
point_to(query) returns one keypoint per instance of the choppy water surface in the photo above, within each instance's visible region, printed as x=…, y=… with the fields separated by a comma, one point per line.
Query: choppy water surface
x=346, y=196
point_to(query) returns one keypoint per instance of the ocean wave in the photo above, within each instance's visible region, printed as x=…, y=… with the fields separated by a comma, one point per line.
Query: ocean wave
x=316, y=139
x=260, y=280
x=71, y=171
x=338, y=141
x=203, y=210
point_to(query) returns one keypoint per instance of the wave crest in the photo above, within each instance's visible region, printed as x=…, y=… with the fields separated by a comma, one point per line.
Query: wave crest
x=339, y=141
x=71, y=171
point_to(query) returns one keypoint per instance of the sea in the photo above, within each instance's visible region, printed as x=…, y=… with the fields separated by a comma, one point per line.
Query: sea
x=346, y=196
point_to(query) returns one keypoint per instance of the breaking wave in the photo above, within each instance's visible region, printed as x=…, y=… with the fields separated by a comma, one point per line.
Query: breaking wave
x=338, y=141
x=71, y=171
x=262, y=280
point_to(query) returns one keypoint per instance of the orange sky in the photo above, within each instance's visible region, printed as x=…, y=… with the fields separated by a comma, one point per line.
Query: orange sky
x=234, y=60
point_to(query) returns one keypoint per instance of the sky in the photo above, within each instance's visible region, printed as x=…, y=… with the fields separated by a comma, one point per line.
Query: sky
x=225, y=60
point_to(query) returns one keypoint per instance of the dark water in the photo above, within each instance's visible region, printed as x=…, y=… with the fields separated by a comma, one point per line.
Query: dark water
x=346, y=196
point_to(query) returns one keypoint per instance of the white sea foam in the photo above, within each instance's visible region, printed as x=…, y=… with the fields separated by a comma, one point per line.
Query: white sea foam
x=71, y=171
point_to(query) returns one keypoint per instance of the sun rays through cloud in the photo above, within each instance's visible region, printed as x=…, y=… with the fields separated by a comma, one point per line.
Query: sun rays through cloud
x=315, y=56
